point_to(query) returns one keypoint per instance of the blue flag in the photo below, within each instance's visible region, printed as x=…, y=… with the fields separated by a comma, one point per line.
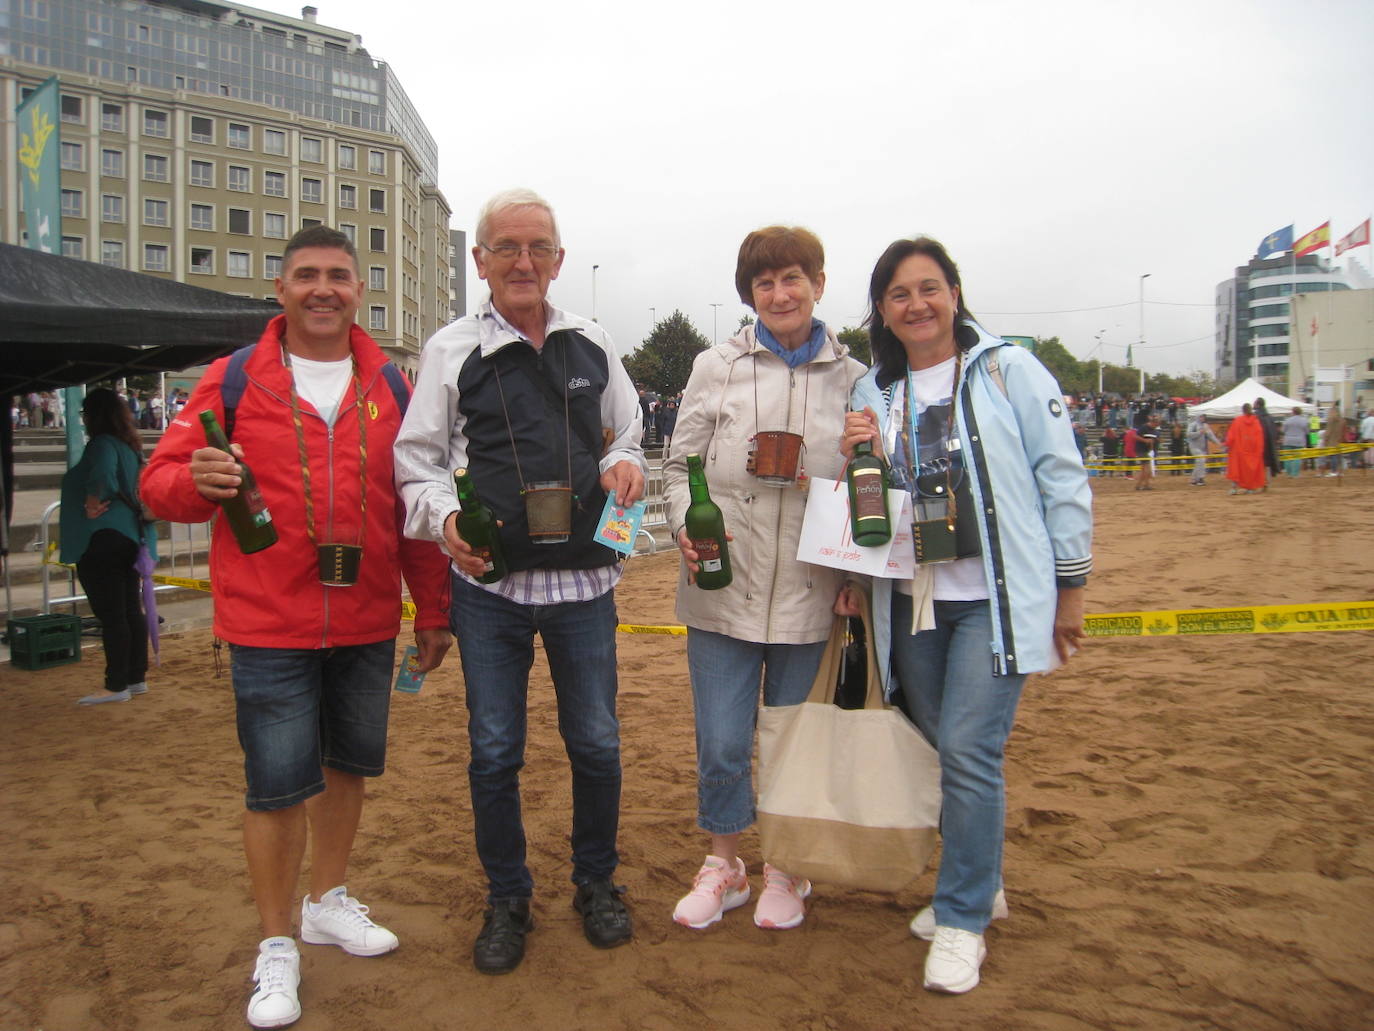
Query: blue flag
x=1277, y=241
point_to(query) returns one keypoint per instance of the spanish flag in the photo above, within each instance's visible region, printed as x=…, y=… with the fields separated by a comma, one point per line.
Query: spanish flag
x=1313, y=241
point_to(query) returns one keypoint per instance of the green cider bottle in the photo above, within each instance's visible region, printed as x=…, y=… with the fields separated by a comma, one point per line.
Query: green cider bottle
x=477, y=526
x=867, y=478
x=706, y=530
x=246, y=512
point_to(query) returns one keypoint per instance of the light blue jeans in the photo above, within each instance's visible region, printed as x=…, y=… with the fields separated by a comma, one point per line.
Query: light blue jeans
x=967, y=714
x=725, y=676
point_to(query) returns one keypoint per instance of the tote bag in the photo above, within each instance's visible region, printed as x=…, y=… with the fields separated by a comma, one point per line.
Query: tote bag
x=847, y=796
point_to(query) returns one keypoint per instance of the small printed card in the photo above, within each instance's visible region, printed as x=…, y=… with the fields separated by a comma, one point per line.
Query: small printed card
x=409, y=678
x=619, y=525
x=826, y=538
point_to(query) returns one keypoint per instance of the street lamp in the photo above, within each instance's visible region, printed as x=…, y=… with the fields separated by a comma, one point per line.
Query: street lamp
x=594, y=268
x=715, y=312
x=1096, y=350
x=653, y=320
x=1144, y=276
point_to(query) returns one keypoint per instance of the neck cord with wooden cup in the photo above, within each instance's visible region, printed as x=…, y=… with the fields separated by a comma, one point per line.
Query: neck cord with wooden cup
x=334, y=563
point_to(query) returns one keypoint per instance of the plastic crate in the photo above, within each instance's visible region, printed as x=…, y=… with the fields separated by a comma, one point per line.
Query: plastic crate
x=40, y=642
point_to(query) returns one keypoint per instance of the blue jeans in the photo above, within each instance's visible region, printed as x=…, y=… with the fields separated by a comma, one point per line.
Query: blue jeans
x=496, y=642
x=967, y=714
x=301, y=709
x=725, y=676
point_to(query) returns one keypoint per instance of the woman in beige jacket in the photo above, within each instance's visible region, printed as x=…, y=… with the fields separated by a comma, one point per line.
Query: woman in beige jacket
x=786, y=373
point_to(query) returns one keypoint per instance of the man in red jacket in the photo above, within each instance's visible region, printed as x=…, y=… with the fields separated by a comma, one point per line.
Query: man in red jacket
x=312, y=657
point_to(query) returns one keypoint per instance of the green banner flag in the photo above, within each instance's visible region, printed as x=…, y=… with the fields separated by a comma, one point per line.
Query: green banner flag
x=41, y=176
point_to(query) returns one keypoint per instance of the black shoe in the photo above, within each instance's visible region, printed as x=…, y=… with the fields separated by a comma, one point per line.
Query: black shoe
x=501, y=945
x=605, y=920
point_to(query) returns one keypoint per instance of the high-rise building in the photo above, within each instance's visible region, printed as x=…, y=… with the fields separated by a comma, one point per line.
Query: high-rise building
x=1253, y=315
x=197, y=136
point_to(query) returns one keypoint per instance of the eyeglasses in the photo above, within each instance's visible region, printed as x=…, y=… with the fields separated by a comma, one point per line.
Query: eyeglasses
x=511, y=251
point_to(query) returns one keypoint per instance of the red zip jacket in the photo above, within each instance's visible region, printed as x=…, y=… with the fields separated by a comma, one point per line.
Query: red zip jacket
x=274, y=599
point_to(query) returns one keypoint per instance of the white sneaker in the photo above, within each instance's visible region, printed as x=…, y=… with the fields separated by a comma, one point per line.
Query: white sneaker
x=716, y=889
x=278, y=976
x=140, y=688
x=101, y=697
x=339, y=920
x=953, y=961
x=923, y=923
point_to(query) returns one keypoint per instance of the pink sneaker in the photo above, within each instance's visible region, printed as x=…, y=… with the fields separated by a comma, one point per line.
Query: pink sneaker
x=716, y=889
x=780, y=906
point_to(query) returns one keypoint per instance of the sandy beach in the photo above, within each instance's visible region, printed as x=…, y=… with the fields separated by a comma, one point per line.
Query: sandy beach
x=1190, y=839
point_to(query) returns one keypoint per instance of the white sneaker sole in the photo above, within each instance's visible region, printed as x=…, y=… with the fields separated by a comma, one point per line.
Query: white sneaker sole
x=728, y=902
x=276, y=1021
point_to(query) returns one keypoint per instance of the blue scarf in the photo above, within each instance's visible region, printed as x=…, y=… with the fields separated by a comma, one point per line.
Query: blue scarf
x=801, y=355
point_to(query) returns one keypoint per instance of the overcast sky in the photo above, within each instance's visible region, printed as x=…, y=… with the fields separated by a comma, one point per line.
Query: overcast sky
x=1059, y=150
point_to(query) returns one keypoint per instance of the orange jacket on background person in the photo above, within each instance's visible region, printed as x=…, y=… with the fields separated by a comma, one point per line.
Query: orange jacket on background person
x=1245, y=453
x=274, y=598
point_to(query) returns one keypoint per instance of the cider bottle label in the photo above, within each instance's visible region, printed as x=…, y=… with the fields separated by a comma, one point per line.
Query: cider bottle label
x=708, y=554
x=868, y=497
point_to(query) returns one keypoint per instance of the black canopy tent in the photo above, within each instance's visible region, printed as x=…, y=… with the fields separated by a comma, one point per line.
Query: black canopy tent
x=65, y=322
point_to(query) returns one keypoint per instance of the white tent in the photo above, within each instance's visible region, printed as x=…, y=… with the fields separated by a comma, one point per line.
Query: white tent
x=1227, y=406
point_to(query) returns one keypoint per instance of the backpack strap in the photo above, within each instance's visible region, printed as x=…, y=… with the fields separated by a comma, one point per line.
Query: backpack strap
x=236, y=382
x=995, y=369
x=232, y=388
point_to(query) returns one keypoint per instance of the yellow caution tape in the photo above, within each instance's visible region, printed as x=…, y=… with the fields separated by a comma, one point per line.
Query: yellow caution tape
x=639, y=628
x=1219, y=459
x=1259, y=619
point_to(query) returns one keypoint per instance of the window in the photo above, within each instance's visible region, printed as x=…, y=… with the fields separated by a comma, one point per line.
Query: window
x=239, y=265
x=348, y=157
x=349, y=230
x=240, y=221
x=112, y=208
x=112, y=253
x=377, y=239
x=202, y=129
x=306, y=223
x=376, y=201
x=376, y=162
x=376, y=316
x=155, y=123
x=73, y=247
x=73, y=204
x=239, y=179
x=73, y=109
x=155, y=168
x=271, y=266
x=273, y=141
x=112, y=163
x=312, y=149
x=154, y=212
x=274, y=225
x=348, y=196
x=203, y=260
x=112, y=117
x=311, y=191
x=240, y=136
x=376, y=277
x=154, y=257
x=203, y=216
x=202, y=173
x=274, y=184
x=73, y=157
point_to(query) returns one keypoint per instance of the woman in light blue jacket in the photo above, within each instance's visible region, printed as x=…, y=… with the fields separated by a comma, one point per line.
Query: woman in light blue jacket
x=976, y=430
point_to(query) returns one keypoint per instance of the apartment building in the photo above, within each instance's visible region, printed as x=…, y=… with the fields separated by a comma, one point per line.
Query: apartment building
x=196, y=137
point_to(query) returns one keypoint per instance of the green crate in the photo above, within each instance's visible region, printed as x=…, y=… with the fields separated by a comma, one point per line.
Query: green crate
x=41, y=642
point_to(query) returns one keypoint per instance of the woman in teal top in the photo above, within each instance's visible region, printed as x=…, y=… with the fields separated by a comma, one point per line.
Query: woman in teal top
x=101, y=533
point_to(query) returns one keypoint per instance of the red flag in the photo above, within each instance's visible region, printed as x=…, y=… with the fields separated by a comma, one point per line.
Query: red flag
x=1313, y=241
x=1357, y=237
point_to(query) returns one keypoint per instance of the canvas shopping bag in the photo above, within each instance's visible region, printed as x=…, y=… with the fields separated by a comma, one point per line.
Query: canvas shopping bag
x=846, y=796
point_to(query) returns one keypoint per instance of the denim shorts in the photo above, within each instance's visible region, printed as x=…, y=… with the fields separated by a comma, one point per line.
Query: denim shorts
x=301, y=709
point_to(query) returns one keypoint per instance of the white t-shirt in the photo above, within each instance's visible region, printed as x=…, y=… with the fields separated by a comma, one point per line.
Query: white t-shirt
x=322, y=383
x=932, y=395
